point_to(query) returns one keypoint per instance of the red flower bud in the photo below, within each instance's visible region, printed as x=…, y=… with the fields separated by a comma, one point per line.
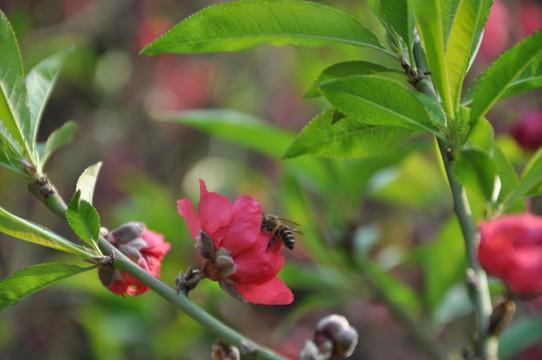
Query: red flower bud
x=511, y=249
x=229, y=236
x=146, y=248
x=528, y=131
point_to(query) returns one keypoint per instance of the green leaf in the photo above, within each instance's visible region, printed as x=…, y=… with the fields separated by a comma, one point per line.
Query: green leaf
x=477, y=172
x=492, y=84
x=40, y=82
x=14, y=112
x=87, y=181
x=244, y=24
x=530, y=179
x=435, y=110
x=519, y=335
x=399, y=17
x=378, y=101
x=83, y=219
x=461, y=44
x=444, y=263
x=507, y=174
x=58, y=138
x=348, y=138
x=482, y=136
x=448, y=10
x=393, y=289
x=428, y=15
x=346, y=69
x=25, y=230
x=235, y=126
x=34, y=278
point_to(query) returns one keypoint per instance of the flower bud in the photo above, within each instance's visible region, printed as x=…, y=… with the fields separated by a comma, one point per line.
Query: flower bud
x=126, y=233
x=335, y=331
x=221, y=351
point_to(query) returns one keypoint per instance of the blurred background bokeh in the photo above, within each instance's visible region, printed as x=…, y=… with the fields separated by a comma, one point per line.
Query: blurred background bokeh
x=385, y=219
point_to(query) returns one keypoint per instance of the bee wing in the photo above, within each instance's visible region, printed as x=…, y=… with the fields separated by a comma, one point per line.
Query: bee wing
x=289, y=222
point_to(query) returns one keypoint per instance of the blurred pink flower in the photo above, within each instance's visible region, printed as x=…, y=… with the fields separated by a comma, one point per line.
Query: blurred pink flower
x=496, y=32
x=528, y=131
x=152, y=28
x=511, y=249
x=147, y=249
x=235, y=232
x=530, y=16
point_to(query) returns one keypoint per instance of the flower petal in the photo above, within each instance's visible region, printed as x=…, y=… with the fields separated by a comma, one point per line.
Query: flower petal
x=186, y=210
x=156, y=247
x=258, y=264
x=214, y=210
x=245, y=225
x=273, y=292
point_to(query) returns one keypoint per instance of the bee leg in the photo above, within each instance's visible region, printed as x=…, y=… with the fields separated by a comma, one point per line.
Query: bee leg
x=270, y=243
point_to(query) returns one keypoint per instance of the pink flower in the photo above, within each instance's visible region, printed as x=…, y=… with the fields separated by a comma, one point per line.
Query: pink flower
x=145, y=247
x=511, y=249
x=530, y=15
x=496, y=37
x=528, y=131
x=238, y=257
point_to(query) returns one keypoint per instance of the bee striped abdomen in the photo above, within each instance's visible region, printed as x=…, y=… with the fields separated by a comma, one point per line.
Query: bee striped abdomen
x=280, y=230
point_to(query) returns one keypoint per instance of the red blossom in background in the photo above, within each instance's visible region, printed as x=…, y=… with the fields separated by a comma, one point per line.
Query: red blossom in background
x=235, y=232
x=528, y=131
x=530, y=17
x=496, y=37
x=145, y=247
x=511, y=249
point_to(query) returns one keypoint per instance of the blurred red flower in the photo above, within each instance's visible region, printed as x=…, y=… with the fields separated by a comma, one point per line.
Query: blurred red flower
x=511, y=249
x=235, y=232
x=530, y=16
x=147, y=249
x=528, y=131
x=496, y=32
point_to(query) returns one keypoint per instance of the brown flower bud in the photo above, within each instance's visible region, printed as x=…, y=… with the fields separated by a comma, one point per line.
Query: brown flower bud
x=334, y=331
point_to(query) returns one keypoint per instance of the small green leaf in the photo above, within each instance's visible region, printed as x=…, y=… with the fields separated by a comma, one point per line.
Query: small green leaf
x=530, y=179
x=87, y=181
x=492, y=84
x=398, y=15
x=83, y=219
x=428, y=14
x=235, y=126
x=58, y=138
x=435, y=110
x=34, y=278
x=244, y=24
x=14, y=112
x=477, y=172
x=519, y=335
x=463, y=35
x=39, y=83
x=347, y=138
x=482, y=136
x=25, y=230
x=507, y=175
x=346, y=69
x=378, y=101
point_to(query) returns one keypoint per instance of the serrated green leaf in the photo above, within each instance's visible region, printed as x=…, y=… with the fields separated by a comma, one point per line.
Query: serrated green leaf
x=83, y=219
x=448, y=10
x=34, y=278
x=22, y=229
x=428, y=15
x=519, y=335
x=398, y=15
x=14, y=112
x=463, y=35
x=477, y=172
x=434, y=109
x=378, y=101
x=492, y=84
x=234, y=126
x=40, y=82
x=244, y=24
x=530, y=179
x=58, y=138
x=87, y=181
x=348, y=138
x=346, y=69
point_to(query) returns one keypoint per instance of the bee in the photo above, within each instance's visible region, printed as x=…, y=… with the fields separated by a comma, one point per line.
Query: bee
x=281, y=229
